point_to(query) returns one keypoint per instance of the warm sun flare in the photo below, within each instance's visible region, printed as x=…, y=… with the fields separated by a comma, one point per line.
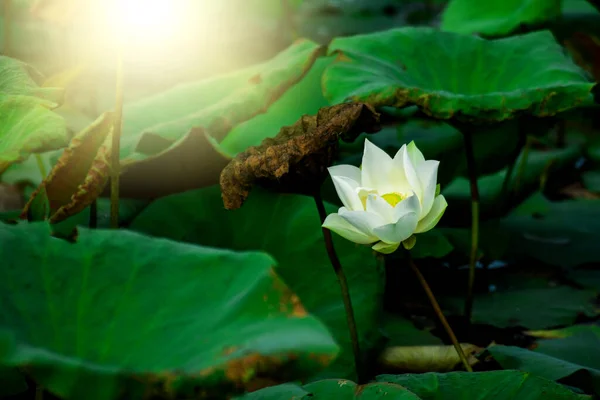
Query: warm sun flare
x=150, y=19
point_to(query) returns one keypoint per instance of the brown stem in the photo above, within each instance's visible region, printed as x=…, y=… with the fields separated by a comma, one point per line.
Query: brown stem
x=474, y=220
x=343, y=282
x=440, y=314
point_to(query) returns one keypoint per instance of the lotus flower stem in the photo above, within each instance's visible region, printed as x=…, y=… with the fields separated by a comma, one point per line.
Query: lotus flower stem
x=116, y=144
x=339, y=271
x=439, y=313
x=474, y=220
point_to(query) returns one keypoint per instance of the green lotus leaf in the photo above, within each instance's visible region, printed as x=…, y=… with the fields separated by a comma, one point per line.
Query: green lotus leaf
x=536, y=167
x=561, y=233
x=527, y=307
x=339, y=389
x=574, y=360
x=288, y=228
x=119, y=314
x=27, y=124
x=304, y=98
x=153, y=124
x=449, y=75
x=490, y=385
x=497, y=17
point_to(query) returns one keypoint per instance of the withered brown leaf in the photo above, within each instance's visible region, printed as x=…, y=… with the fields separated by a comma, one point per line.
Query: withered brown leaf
x=296, y=160
x=80, y=174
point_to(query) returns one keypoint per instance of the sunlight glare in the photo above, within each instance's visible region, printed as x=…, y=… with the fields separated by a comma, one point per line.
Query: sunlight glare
x=149, y=19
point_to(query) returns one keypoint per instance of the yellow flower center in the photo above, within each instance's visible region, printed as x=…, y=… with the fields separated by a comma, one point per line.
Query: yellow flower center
x=393, y=198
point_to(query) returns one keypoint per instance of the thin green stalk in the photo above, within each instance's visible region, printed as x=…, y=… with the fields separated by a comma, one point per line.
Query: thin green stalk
x=7, y=27
x=116, y=145
x=339, y=271
x=41, y=166
x=474, y=220
x=439, y=313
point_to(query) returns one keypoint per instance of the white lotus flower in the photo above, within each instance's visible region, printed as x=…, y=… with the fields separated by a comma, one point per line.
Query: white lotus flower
x=387, y=201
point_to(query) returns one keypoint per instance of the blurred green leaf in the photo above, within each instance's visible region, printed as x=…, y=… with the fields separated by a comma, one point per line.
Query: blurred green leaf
x=564, y=233
x=11, y=382
x=538, y=164
x=333, y=389
x=497, y=17
x=119, y=313
x=288, y=228
x=426, y=67
x=574, y=360
x=27, y=124
x=529, y=307
x=591, y=181
x=496, y=385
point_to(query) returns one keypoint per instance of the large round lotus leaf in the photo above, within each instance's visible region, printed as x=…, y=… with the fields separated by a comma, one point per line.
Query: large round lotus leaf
x=338, y=389
x=492, y=385
x=497, y=17
x=453, y=75
x=288, y=228
x=119, y=311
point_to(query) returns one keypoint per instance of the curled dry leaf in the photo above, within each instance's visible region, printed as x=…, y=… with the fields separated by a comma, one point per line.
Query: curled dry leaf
x=426, y=358
x=296, y=160
x=80, y=174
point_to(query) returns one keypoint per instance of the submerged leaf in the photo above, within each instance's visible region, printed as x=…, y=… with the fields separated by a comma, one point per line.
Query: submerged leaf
x=296, y=160
x=80, y=174
x=422, y=66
